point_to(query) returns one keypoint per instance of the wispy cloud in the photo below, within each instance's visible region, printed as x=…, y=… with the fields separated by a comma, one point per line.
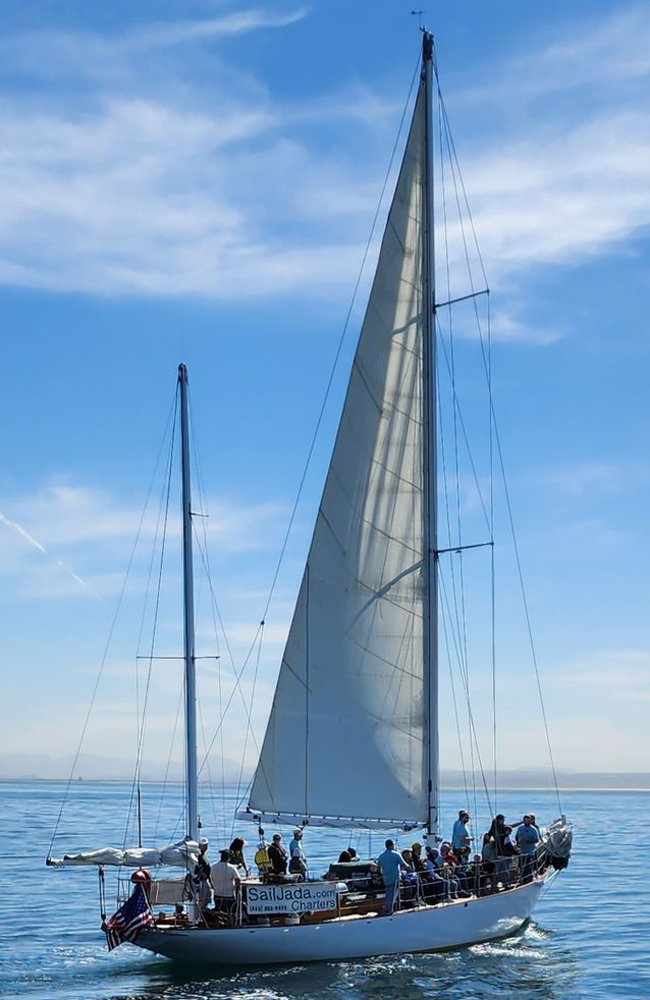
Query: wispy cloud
x=95, y=530
x=619, y=674
x=145, y=182
x=41, y=548
x=596, y=478
x=180, y=32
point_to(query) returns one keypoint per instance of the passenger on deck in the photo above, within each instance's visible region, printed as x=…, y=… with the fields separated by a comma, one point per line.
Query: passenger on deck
x=457, y=869
x=460, y=837
x=277, y=855
x=407, y=857
x=236, y=851
x=488, y=857
x=297, y=859
x=418, y=860
x=201, y=880
x=496, y=832
x=390, y=864
x=344, y=858
x=504, y=863
x=434, y=886
x=445, y=872
x=527, y=839
x=225, y=878
x=476, y=876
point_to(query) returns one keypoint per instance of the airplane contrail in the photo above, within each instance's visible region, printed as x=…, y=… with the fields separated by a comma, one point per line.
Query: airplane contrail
x=41, y=548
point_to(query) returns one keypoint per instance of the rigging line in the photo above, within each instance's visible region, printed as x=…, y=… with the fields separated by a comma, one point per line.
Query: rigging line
x=469, y=707
x=138, y=765
x=341, y=341
x=248, y=724
x=172, y=415
x=456, y=717
x=210, y=785
x=466, y=199
x=237, y=677
x=492, y=562
x=168, y=764
x=451, y=371
x=461, y=613
x=502, y=467
x=204, y=524
x=458, y=178
x=524, y=598
x=111, y=630
x=467, y=445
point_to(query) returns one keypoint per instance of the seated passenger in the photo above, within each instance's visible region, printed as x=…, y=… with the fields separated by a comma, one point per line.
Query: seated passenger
x=407, y=855
x=418, y=860
x=344, y=857
x=476, y=876
x=457, y=868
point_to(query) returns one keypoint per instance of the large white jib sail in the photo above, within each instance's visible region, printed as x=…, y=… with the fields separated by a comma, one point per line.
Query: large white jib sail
x=345, y=742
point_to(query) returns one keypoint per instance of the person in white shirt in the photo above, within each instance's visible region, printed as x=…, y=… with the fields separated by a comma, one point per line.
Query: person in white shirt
x=225, y=878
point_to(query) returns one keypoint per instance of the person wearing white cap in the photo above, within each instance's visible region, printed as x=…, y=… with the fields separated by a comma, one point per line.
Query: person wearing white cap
x=297, y=860
x=202, y=869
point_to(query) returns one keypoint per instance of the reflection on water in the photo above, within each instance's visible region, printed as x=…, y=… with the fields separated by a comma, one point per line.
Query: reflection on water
x=521, y=966
x=589, y=941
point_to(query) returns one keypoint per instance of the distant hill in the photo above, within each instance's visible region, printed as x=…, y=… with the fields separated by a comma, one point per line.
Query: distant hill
x=532, y=778
x=16, y=766
x=91, y=767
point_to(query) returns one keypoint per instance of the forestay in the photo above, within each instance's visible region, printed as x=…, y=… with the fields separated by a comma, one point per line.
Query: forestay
x=345, y=738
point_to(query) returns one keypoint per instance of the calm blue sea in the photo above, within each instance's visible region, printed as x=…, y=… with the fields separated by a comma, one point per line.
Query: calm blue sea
x=590, y=938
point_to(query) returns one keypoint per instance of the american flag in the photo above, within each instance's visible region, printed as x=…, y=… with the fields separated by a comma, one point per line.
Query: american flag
x=132, y=917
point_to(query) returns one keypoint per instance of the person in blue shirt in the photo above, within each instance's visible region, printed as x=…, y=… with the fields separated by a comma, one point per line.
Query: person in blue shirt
x=527, y=839
x=460, y=838
x=390, y=864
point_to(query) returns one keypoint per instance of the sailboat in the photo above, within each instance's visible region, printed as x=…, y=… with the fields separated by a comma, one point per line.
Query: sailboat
x=352, y=739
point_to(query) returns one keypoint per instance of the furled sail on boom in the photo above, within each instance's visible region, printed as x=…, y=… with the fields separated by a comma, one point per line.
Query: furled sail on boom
x=345, y=742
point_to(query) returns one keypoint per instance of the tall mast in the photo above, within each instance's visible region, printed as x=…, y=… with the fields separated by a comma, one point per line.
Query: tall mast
x=430, y=454
x=188, y=607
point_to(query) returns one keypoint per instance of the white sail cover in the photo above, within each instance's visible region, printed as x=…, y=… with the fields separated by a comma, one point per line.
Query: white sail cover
x=184, y=854
x=345, y=739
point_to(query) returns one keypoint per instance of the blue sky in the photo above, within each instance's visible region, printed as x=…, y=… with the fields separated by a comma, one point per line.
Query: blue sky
x=196, y=181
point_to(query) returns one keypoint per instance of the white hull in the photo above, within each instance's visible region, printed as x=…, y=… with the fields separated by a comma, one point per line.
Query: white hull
x=429, y=928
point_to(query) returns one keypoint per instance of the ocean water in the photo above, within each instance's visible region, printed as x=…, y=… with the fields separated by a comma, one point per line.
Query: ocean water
x=590, y=939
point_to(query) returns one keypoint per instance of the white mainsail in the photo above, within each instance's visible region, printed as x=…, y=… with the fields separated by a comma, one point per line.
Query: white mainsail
x=345, y=742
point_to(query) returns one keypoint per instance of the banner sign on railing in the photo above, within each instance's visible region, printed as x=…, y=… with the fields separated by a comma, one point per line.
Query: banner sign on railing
x=304, y=897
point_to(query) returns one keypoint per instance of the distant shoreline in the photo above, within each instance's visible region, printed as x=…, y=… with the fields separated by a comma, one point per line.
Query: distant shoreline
x=444, y=788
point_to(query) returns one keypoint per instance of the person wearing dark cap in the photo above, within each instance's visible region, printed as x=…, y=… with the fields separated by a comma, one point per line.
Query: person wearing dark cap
x=278, y=855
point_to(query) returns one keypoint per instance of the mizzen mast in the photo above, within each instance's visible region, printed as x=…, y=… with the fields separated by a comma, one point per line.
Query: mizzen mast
x=188, y=608
x=430, y=478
